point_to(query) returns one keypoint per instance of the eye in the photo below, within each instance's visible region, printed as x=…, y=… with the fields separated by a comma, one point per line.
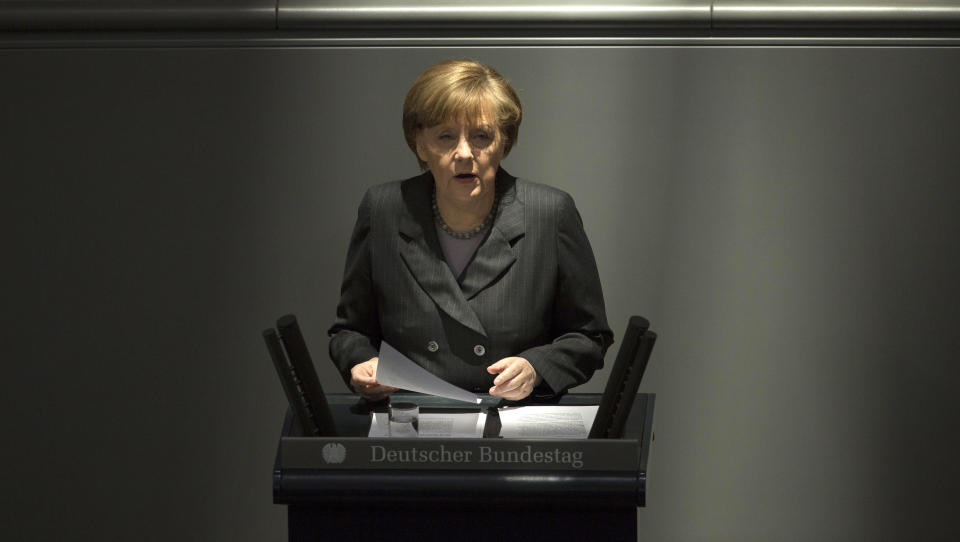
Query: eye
x=445, y=137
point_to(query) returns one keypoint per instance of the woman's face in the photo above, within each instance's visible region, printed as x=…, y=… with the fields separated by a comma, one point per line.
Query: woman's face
x=463, y=156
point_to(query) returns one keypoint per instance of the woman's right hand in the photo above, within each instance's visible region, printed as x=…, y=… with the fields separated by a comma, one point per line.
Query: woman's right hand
x=363, y=380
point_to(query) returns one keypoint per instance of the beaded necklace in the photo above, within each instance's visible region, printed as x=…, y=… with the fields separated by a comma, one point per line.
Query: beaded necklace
x=463, y=234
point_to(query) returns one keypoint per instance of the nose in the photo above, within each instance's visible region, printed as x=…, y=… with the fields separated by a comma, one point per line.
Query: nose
x=463, y=150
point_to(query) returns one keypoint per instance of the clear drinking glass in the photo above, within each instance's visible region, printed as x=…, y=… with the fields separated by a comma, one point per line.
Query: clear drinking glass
x=404, y=419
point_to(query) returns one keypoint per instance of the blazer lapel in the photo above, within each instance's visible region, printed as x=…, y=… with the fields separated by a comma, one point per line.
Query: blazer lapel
x=498, y=252
x=420, y=250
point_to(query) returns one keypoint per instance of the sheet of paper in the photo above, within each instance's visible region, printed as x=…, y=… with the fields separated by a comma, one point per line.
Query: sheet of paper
x=547, y=421
x=436, y=425
x=395, y=369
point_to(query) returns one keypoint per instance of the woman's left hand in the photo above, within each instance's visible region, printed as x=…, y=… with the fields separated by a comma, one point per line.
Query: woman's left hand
x=515, y=378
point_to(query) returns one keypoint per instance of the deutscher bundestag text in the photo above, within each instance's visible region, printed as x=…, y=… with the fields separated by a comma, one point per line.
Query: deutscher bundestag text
x=484, y=454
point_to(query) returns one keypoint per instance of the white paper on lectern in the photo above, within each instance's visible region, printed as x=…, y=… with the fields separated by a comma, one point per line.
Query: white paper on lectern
x=547, y=421
x=395, y=369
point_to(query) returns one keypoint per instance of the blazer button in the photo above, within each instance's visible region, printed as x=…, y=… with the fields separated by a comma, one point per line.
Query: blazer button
x=479, y=350
x=433, y=346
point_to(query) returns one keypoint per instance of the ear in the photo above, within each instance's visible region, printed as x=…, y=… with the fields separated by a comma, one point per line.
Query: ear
x=421, y=154
x=501, y=149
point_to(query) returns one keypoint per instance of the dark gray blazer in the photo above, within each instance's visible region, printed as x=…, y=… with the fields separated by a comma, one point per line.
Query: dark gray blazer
x=532, y=289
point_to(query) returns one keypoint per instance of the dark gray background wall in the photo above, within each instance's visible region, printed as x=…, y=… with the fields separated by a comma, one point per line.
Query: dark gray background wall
x=785, y=216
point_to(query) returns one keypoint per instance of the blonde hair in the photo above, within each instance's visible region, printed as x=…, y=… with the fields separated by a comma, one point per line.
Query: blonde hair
x=452, y=88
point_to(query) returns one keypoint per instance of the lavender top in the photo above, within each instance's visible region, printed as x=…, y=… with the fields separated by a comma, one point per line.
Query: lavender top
x=459, y=252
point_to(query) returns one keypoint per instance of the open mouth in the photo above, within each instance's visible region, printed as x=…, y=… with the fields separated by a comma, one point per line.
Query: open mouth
x=465, y=176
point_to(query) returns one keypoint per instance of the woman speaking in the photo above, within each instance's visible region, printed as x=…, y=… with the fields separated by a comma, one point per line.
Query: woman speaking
x=484, y=279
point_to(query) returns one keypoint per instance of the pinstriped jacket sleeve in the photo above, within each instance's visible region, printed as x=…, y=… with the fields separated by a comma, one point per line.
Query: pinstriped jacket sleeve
x=355, y=334
x=579, y=325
